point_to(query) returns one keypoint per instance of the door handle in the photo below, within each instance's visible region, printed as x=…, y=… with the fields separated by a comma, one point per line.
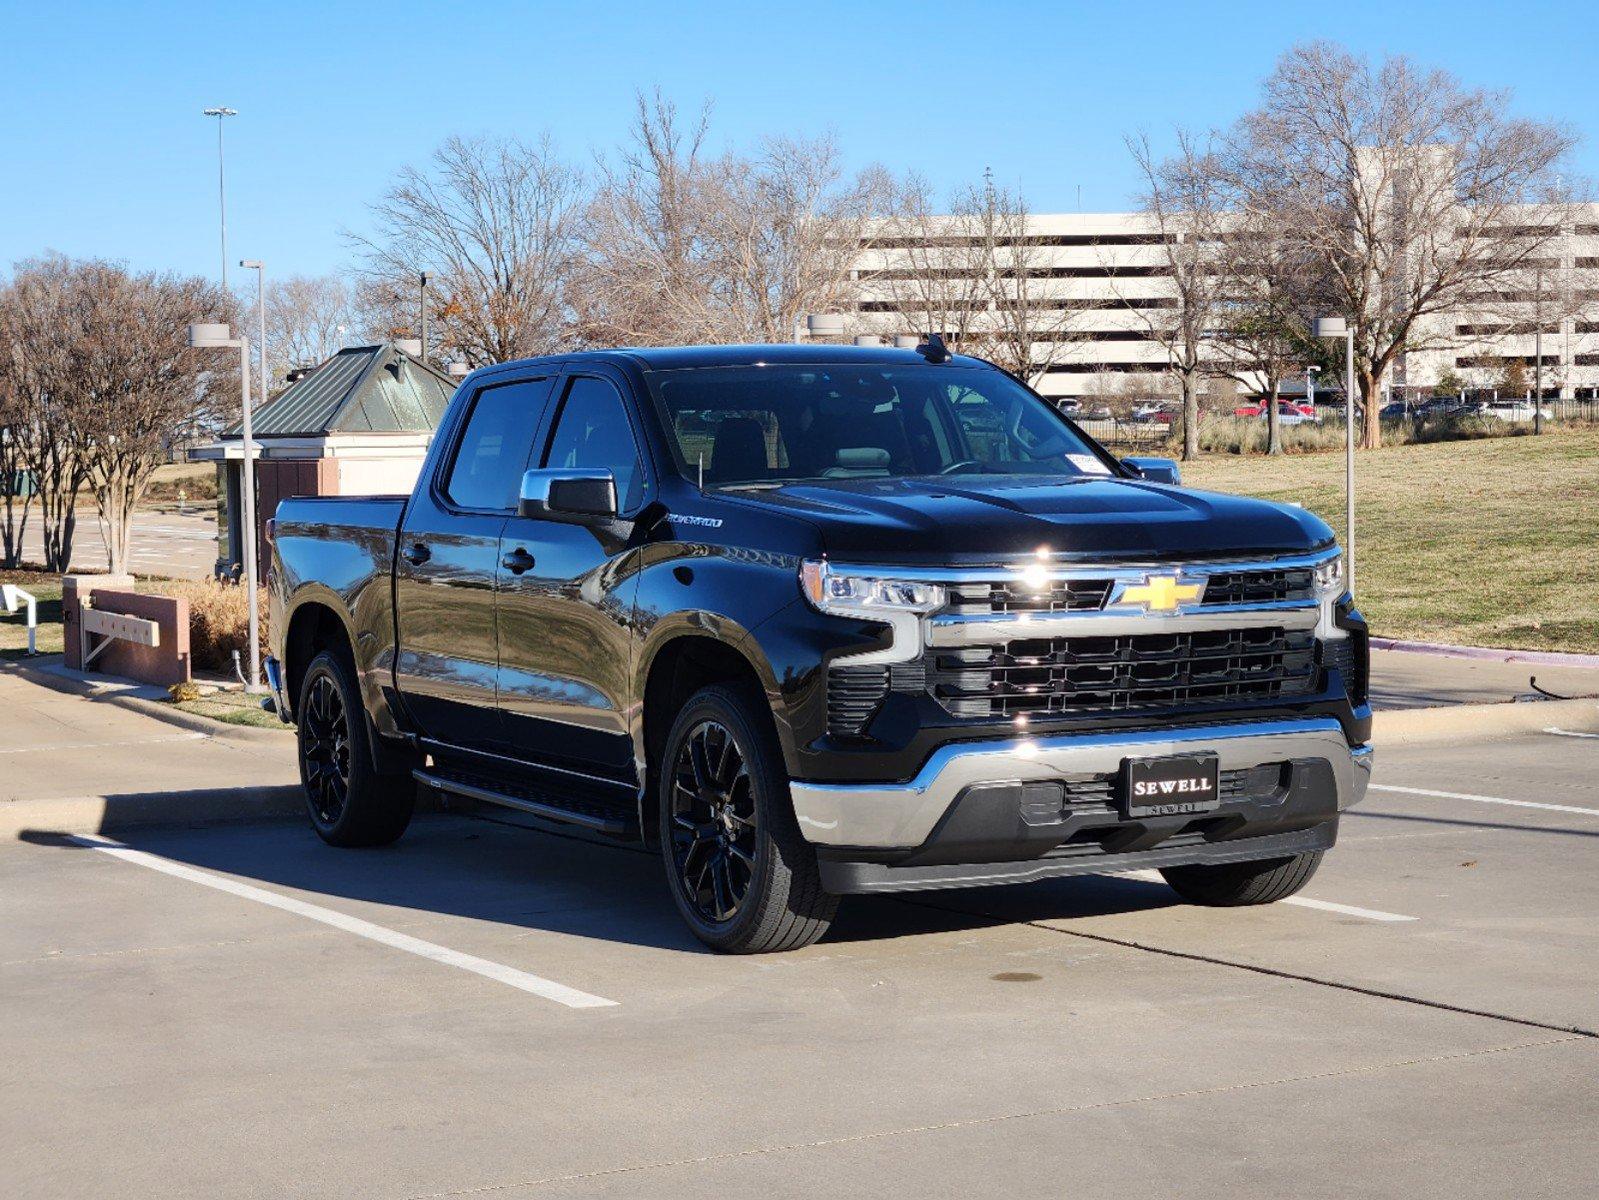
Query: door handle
x=416, y=554
x=517, y=561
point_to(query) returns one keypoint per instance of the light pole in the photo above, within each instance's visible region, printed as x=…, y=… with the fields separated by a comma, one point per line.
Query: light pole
x=422, y=290
x=222, y=114
x=1337, y=327
x=217, y=336
x=1310, y=387
x=259, y=267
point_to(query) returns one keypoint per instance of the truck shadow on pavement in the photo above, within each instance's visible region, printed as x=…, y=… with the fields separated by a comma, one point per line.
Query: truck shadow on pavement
x=485, y=869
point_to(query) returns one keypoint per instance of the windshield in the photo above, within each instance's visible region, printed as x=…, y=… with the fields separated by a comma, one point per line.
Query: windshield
x=786, y=423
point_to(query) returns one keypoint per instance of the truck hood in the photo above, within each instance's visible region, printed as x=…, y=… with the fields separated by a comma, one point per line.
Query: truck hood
x=994, y=518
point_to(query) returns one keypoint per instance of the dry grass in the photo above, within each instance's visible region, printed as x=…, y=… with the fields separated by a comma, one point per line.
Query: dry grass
x=1489, y=543
x=218, y=620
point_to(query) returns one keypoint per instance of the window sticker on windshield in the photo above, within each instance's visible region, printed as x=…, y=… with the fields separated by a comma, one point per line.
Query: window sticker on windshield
x=1088, y=464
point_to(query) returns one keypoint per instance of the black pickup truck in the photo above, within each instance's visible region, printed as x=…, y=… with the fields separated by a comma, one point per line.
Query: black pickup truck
x=819, y=620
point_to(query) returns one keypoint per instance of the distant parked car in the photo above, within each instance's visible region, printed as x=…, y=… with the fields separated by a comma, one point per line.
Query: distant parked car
x=1289, y=412
x=1070, y=405
x=1154, y=413
x=1514, y=410
x=1394, y=411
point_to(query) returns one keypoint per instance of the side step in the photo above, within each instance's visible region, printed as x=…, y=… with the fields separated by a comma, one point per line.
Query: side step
x=598, y=817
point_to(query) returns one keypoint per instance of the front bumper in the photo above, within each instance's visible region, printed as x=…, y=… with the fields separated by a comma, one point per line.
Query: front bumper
x=1030, y=807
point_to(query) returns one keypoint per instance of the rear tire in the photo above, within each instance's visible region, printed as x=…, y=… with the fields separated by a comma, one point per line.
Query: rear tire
x=742, y=876
x=1230, y=885
x=349, y=802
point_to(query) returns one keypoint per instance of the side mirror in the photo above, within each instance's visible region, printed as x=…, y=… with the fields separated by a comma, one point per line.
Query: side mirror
x=575, y=495
x=1156, y=470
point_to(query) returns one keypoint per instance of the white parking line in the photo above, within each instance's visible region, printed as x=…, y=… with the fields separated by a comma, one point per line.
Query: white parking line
x=1569, y=733
x=149, y=741
x=1410, y=791
x=537, y=985
x=1348, y=910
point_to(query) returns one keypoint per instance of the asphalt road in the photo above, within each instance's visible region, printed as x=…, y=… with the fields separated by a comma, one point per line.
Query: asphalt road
x=485, y=1010
x=166, y=542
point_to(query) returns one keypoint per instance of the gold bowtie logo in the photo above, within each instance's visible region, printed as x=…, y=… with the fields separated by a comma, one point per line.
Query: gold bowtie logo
x=1160, y=593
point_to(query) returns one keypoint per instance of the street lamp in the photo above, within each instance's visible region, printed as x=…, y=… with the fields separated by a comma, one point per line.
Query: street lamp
x=422, y=288
x=222, y=114
x=217, y=336
x=1310, y=387
x=1337, y=327
x=259, y=267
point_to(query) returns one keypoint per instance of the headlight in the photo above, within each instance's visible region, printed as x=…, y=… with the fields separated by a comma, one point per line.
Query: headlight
x=851, y=594
x=1329, y=577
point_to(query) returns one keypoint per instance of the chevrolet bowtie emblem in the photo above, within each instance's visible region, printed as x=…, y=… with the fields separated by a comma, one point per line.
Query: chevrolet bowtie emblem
x=1160, y=593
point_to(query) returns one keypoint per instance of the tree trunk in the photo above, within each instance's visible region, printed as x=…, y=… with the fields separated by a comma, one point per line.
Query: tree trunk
x=1371, y=397
x=1274, y=422
x=1190, y=418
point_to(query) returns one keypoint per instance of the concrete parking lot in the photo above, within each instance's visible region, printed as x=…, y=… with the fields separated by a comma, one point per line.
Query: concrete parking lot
x=239, y=1010
x=166, y=541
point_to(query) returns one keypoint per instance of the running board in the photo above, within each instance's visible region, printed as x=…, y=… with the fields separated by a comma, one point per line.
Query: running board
x=589, y=816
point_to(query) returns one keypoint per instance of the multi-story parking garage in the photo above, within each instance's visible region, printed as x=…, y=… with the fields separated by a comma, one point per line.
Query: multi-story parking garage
x=1098, y=279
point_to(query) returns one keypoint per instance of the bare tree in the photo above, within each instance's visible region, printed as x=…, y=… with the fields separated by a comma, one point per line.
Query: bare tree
x=1264, y=310
x=651, y=274
x=928, y=272
x=978, y=275
x=16, y=496
x=35, y=371
x=1411, y=190
x=1186, y=203
x=308, y=319
x=495, y=223
x=685, y=247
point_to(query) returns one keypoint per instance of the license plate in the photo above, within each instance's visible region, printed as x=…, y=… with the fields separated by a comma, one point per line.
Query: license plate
x=1173, y=786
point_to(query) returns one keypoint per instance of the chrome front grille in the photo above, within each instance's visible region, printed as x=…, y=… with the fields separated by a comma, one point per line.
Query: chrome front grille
x=1010, y=596
x=1062, y=675
x=1259, y=586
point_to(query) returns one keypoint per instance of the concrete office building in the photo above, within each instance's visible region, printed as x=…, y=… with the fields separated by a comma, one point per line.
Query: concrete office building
x=1110, y=271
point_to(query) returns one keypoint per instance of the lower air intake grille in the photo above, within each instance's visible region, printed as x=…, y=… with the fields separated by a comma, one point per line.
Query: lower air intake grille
x=853, y=696
x=1111, y=674
x=1347, y=656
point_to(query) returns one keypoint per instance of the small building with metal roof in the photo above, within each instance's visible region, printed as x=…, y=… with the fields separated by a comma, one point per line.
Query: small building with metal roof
x=358, y=424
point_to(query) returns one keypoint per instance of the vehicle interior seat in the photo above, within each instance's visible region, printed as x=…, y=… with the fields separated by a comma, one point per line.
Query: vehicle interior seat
x=738, y=455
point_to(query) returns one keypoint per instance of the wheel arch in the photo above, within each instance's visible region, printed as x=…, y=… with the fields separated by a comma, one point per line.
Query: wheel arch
x=679, y=662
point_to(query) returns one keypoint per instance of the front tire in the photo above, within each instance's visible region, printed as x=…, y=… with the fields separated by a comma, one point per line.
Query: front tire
x=349, y=802
x=1230, y=885
x=742, y=876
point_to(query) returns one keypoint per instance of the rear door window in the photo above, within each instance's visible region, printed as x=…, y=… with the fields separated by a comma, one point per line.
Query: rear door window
x=496, y=445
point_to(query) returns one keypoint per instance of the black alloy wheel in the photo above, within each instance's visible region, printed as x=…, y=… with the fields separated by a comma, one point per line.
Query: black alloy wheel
x=325, y=750
x=715, y=832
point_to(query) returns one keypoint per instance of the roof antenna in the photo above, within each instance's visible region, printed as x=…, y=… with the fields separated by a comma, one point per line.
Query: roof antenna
x=933, y=349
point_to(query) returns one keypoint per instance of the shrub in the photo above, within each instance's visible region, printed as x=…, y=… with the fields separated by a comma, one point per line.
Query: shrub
x=219, y=621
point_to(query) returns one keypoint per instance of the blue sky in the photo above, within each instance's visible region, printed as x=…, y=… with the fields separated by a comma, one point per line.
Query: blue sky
x=104, y=151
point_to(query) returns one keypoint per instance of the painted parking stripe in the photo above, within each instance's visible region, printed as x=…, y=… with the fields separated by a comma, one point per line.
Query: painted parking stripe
x=1348, y=910
x=499, y=972
x=1558, y=732
x=1560, y=808
x=149, y=741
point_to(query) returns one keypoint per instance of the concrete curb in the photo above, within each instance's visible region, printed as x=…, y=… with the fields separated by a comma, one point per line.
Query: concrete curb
x=128, y=697
x=1541, y=658
x=1412, y=726
x=105, y=814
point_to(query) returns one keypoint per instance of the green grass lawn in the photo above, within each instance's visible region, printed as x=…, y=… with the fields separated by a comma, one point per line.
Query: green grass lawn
x=14, y=626
x=1484, y=543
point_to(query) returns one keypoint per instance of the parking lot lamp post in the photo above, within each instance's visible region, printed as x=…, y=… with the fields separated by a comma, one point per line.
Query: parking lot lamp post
x=422, y=296
x=259, y=267
x=217, y=336
x=1337, y=327
x=1310, y=387
x=222, y=114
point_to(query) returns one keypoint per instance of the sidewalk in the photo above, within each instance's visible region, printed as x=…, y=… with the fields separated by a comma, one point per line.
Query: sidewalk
x=68, y=761
x=1406, y=679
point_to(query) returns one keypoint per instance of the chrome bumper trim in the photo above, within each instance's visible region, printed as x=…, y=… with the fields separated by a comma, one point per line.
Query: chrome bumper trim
x=902, y=815
x=965, y=629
